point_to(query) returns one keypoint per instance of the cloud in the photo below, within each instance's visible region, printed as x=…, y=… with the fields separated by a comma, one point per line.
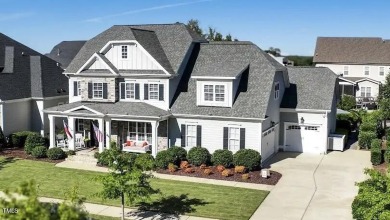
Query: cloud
x=14, y=16
x=160, y=7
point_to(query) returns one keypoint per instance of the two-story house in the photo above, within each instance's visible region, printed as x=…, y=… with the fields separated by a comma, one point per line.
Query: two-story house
x=163, y=85
x=362, y=63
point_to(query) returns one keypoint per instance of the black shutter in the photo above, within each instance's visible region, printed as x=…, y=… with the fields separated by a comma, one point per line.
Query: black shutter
x=90, y=90
x=137, y=91
x=225, y=138
x=104, y=90
x=146, y=91
x=198, y=135
x=161, y=92
x=242, y=138
x=76, y=125
x=123, y=90
x=75, y=88
x=183, y=135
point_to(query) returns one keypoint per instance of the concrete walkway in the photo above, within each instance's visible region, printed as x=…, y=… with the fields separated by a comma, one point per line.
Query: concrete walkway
x=314, y=187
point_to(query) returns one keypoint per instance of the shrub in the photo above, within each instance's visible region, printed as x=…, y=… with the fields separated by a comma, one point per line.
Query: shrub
x=245, y=176
x=239, y=169
x=376, y=144
x=72, y=152
x=56, y=153
x=365, y=138
x=220, y=168
x=368, y=126
x=144, y=162
x=163, y=158
x=222, y=157
x=33, y=140
x=189, y=170
x=39, y=152
x=376, y=156
x=103, y=158
x=178, y=154
x=227, y=173
x=128, y=157
x=249, y=158
x=207, y=171
x=95, y=155
x=184, y=164
x=347, y=102
x=387, y=156
x=198, y=156
x=172, y=167
x=18, y=139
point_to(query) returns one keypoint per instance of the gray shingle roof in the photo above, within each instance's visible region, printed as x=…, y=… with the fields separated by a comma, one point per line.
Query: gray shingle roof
x=352, y=50
x=23, y=81
x=65, y=51
x=167, y=43
x=255, y=85
x=310, y=88
x=118, y=108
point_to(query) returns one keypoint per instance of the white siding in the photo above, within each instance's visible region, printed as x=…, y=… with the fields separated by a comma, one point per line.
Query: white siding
x=212, y=132
x=228, y=92
x=374, y=88
x=98, y=64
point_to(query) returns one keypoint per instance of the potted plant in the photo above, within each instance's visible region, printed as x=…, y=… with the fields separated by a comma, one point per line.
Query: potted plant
x=87, y=142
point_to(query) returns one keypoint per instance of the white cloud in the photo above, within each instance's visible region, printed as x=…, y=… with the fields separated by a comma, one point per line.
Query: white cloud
x=160, y=7
x=14, y=16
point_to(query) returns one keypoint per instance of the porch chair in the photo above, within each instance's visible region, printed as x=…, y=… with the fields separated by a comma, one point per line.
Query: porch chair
x=60, y=141
x=79, y=141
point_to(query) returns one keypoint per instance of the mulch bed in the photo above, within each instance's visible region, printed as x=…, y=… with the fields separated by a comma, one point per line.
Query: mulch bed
x=19, y=153
x=254, y=176
x=381, y=168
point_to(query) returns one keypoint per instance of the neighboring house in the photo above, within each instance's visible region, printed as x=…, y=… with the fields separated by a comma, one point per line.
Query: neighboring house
x=282, y=60
x=163, y=85
x=29, y=82
x=362, y=63
x=65, y=51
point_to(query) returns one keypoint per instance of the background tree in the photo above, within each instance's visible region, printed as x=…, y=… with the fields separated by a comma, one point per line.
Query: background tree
x=211, y=34
x=384, y=100
x=193, y=24
x=274, y=51
x=218, y=37
x=301, y=60
x=228, y=37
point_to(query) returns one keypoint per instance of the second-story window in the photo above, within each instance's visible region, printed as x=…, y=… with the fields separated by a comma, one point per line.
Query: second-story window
x=130, y=90
x=276, y=90
x=366, y=70
x=97, y=90
x=153, y=92
x=214, y=93
x=77, y=88
x=381, y=71
x=346, y=71
x=124, y=52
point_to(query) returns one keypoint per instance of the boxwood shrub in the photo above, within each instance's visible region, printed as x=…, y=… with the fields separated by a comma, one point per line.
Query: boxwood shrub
x=222, y=157
x=56, y=153
x=376, y=144
x=198, y=155
x=33, y=140
x=18, y=139
x=365, y=138
x=39, y=152
x=249, y=158
x=163, y=158
x=376, y=156
x=178, y=154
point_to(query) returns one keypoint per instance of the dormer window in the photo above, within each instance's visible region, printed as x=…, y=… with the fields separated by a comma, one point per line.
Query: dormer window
x=124, y=52
x=214, y=93
x=276, y=90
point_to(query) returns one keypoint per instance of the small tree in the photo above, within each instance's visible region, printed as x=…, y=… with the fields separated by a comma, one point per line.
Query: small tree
x=384, y=99
x=347, y=102
x=126, y=179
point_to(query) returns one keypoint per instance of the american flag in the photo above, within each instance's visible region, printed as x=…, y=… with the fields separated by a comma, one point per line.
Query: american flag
x=98, y=133
x=66, y=128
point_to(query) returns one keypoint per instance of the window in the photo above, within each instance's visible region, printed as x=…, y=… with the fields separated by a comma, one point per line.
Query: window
x=346, y=71
x=80, y=125
x=365, y=91
x=97, y=90
x=140, y=131
x=381, y=71
x=234, y=138
x=276, y=90
x=294, y=127
x=130, y=90
x=366, y=70
x=78, y=88
x=124, y=52
x=153, y=91
x=311, y=128
x=133, y=130
x=191, y=136
x=214, y=93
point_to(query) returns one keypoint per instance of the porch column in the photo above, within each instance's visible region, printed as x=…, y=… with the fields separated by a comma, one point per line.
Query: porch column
x=52, y=135
x=72, y=130
x=154, y=138
x=101, y=128
x=108, y=133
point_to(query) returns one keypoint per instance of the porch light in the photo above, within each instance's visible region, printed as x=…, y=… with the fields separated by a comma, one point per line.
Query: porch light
x=302, y=120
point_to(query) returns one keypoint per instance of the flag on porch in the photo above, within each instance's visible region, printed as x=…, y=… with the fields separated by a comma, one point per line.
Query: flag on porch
x=66, y=128
x=98, y=133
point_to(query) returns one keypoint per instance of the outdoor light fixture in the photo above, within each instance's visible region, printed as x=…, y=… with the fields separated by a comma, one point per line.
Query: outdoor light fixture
x=302, y=120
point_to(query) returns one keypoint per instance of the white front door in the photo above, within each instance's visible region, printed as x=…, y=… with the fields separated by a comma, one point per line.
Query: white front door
x=302, y=138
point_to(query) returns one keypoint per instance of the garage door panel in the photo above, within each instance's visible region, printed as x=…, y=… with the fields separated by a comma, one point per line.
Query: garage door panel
x=302, y=138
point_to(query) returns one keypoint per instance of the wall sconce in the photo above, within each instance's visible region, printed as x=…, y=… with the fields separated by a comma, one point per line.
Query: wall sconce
x=302, y=120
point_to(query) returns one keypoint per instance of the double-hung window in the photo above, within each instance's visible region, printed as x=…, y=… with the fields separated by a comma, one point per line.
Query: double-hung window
x=97, y=90
x=381, y=71
x=80, y=125
x=208, y=93
x=346, y=71
x=365, y=91
x=130, y=90
x=214, y=93
x=191, y=136
x=366, y=70
x=78, y=88
x=124, y=52
x=234, y=138
x=276, y=90
x=153, y=92
x=140, y=131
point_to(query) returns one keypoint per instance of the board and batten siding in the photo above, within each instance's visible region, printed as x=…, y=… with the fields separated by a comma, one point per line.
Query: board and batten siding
x=212, y=132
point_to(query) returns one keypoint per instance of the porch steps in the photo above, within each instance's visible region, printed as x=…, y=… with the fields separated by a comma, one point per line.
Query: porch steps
x=83, y=157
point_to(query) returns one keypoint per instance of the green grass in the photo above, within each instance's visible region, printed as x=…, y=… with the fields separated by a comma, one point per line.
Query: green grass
x=187, y=198
x=101, y=217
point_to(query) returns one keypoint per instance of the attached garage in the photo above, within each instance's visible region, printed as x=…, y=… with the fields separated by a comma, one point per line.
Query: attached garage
x=303, y=138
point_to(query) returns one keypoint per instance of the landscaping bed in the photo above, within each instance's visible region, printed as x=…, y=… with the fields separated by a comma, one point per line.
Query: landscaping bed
x=254, y=176
x=20, y=153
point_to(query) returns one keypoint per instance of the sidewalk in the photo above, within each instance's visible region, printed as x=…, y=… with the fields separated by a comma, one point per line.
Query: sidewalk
x=134, y=214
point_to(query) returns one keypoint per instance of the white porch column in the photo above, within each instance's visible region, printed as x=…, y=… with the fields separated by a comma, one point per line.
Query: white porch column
x=101, y=128
x=72, y=130
x=154, y=138
x=52, y=135
x=108, y=133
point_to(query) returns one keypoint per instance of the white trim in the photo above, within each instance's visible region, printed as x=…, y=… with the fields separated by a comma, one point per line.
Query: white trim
x=216, y=117
x=239, y=138
x=81, y=107
x=276, y=84
x=304, y=110
x=186, y=134
x=347, y=83
x=214, y=77
x=294, y=123
x=369, y=79
x=120, y=91
x=93, y=90
x=93, y=58
x=347, y=80
x=149, y=90
x=129, y=119
x=1, y=115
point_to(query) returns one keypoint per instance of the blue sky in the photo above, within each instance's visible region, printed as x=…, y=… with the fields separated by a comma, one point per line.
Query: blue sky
x=291, y=25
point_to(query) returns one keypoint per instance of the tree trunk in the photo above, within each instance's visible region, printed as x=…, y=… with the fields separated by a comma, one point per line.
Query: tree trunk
x=123, y=206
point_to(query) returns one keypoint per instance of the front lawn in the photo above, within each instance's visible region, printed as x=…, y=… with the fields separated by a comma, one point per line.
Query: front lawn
x=205, y=200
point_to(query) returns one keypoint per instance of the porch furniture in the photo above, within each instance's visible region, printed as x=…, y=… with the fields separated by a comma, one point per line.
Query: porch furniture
x=60, y=141
x=79, y=141
x=136, y=146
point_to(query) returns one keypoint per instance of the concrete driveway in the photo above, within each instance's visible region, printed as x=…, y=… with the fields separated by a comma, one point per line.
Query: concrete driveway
x=314, y=186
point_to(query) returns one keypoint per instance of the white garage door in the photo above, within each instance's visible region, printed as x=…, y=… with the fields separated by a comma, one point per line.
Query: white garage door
x=302, y=138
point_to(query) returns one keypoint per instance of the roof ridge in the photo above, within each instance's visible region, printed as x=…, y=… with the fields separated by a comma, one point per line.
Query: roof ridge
x=129, y=25
x=228, y=43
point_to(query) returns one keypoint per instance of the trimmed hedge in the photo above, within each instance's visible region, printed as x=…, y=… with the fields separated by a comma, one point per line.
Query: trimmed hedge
x=222, y=157
x=163, y=158
x=198, y=155
x=376, y=144
x=18, y=139
x=33, y=140
x=39, y=152
x=249, y=158
x=56, y=153
x=178, y=154
x=365, y=138
x=376, y=156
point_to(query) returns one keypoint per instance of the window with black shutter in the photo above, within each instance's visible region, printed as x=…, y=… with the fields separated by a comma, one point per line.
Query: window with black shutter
x=146, y=91
x=161, y=92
